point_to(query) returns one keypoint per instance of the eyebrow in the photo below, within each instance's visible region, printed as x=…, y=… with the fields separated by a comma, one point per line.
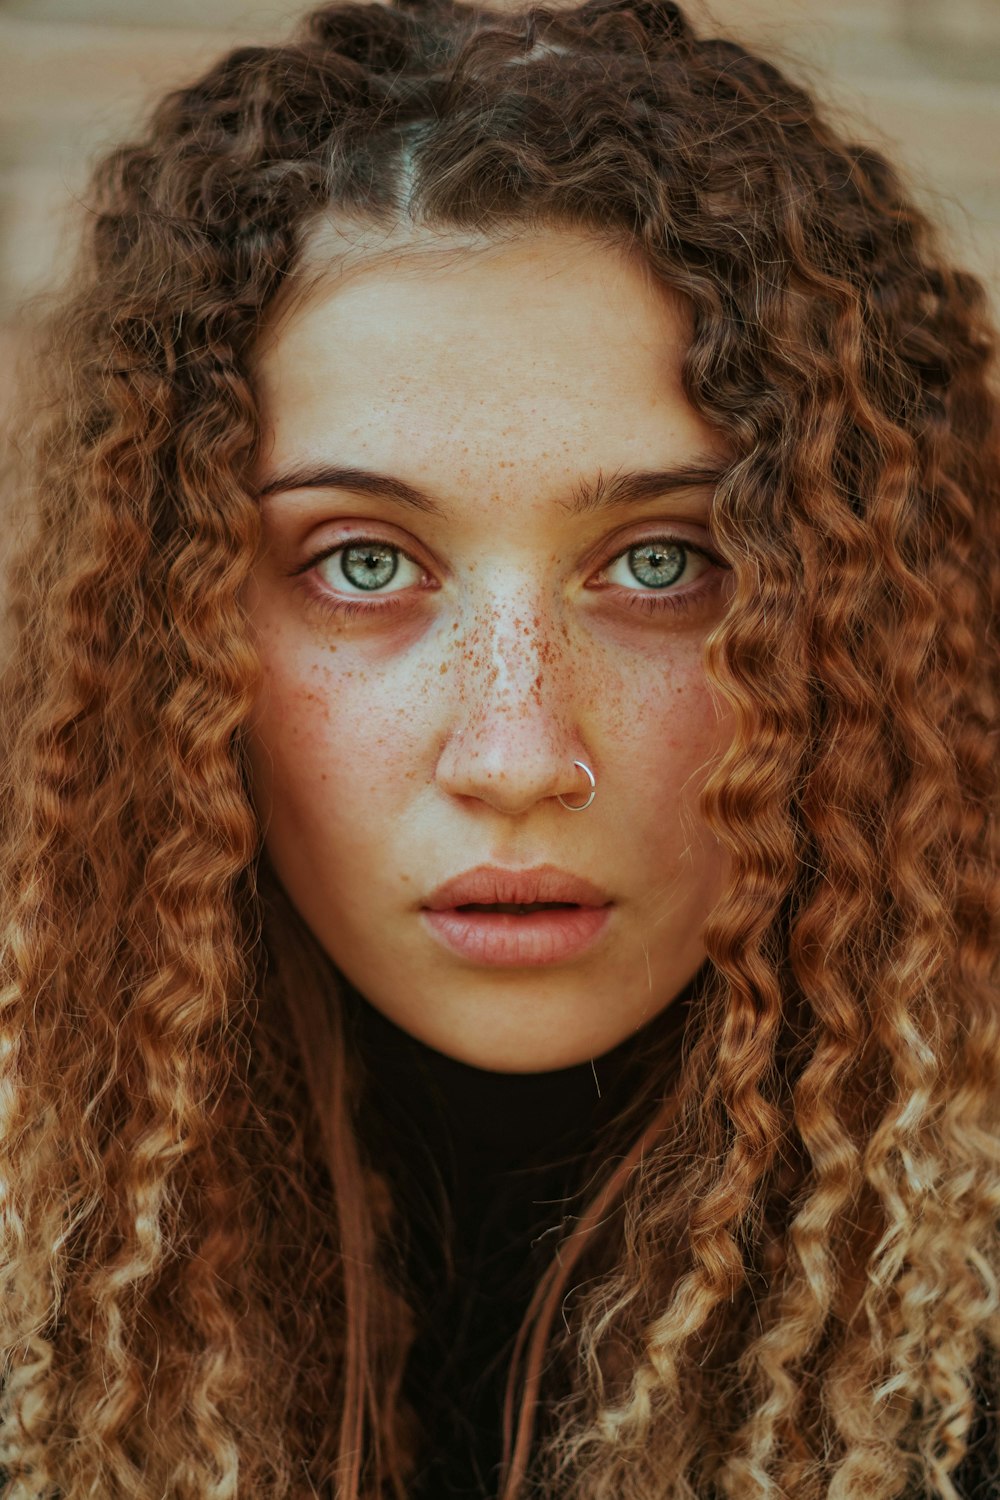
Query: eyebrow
x=606, y=492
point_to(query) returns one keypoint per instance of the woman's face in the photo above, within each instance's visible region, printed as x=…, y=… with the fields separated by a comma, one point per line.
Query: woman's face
x=440, y=646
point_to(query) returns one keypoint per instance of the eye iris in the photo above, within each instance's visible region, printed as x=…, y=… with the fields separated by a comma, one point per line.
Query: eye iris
x=656, y=564
x=369, y=565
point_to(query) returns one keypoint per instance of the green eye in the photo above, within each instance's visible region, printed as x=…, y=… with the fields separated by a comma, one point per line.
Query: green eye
x=656, y=564
x=370, y=565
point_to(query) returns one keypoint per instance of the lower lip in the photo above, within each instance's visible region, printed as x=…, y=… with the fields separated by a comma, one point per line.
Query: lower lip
x=504, y=940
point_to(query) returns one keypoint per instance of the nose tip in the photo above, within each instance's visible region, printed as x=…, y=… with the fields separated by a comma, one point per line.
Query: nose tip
x=513, y=781
x=515, y=738
x=514, y=789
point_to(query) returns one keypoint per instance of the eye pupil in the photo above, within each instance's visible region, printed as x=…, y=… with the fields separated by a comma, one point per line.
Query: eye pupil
x=655, y=564
x=369, y=565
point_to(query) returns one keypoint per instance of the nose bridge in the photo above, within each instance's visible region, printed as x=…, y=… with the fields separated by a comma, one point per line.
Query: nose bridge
x=513, y=733
x=515, y=662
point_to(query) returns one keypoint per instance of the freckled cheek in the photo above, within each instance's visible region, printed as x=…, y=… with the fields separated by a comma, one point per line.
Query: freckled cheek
x=678, y=732
x=330, y=733
x=676, y=729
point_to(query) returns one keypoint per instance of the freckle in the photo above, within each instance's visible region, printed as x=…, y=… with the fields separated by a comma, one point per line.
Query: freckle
x=443, y=668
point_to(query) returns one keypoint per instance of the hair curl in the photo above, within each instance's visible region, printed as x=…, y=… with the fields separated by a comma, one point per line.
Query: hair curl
x=794, y=1270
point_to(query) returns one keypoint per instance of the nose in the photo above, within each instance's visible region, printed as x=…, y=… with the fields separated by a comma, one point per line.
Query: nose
x=515, y=728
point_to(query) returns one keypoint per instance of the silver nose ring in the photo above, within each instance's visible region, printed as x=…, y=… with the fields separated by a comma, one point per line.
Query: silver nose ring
x=579, y=806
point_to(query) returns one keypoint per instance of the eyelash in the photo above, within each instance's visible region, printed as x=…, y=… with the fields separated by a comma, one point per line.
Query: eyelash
x=349, y=609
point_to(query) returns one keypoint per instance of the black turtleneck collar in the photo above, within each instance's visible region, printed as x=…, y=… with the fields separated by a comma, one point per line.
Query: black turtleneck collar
x=500, y=1120
x=482, y=1166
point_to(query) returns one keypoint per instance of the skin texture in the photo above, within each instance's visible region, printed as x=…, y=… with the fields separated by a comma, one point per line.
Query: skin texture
x=395, y=750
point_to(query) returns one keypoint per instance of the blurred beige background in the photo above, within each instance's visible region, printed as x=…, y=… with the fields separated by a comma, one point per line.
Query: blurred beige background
x=921, y=78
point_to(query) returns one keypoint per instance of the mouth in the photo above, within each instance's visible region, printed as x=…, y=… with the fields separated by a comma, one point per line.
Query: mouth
x=498, y=917
x=517, y=908
x=502, y=889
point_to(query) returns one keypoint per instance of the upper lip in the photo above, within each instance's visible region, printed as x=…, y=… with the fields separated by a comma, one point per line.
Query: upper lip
x=489, y=885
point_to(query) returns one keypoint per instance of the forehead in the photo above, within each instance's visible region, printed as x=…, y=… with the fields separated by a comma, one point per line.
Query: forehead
x=551, y=346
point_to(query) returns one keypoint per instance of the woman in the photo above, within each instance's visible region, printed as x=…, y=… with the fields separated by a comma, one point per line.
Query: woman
x=500, y=846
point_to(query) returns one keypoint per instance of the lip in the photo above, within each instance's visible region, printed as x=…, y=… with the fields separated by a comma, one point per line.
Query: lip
x=506, y=940
x=489, y=884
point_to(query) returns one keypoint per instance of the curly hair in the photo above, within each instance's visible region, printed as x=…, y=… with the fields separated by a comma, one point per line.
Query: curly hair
x=793, y=1273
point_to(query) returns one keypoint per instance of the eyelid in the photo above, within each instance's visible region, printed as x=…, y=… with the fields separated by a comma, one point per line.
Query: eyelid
x=374, y=606
x=357, y=538
x=691, y=532
x=647, y=532
x=668, y=531
x=621, y=558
